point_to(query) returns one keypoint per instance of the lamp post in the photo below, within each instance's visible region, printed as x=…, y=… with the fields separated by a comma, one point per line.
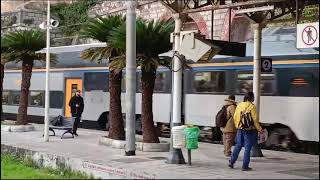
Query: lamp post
x=47, y=25
x=47, y=95
x=176, y=156
x=130, y=78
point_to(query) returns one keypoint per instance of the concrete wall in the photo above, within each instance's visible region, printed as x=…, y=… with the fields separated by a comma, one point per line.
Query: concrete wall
x=91, y=168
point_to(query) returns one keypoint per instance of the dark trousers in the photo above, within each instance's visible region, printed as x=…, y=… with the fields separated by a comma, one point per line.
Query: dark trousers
x=75, y=124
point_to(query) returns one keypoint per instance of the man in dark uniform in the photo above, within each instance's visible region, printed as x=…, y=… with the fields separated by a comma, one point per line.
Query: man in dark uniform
x=76, y=106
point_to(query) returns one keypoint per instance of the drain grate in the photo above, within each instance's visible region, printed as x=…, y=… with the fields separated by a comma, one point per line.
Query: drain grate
x=131, y=160
x=157, y=158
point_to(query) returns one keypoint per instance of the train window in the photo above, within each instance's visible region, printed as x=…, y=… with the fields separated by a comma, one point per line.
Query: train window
x=245, y=82
x=15, y=96
x=160, y=82
x=303, y=82
x=209, y=81
x=139, y=87
x=96, y=81
x=56, y=99
x=5, y=97
x=36, y=98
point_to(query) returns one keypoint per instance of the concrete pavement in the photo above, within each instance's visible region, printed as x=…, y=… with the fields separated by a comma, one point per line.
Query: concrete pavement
x=84, y=153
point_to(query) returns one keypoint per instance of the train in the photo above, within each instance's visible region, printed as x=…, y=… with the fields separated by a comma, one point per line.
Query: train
x=289, y=107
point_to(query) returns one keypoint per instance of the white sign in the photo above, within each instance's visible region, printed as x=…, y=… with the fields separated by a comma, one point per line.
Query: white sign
x=308, y=35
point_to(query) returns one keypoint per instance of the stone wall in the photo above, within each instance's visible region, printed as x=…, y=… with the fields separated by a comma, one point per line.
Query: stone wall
x=13, y=5
x=149, y=9
x=10, y=5
x=155, y=10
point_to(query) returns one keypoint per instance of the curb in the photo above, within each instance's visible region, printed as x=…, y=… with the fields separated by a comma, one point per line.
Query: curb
x=91, y=168
x=140, y=146
x=17, y=128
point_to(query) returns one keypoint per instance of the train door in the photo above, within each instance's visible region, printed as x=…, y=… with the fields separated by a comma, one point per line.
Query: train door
x=72, y=85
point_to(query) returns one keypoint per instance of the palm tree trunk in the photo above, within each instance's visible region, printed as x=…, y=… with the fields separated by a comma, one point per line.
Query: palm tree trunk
x=147, y=84
x=22, y=118
x=2, y=76
x=116, y=130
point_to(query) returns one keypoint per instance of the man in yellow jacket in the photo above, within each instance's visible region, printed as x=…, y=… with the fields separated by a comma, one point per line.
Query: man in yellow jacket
x=246, y=132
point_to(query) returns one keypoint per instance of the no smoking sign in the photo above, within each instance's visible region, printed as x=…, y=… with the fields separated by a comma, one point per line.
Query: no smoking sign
x=308, y=35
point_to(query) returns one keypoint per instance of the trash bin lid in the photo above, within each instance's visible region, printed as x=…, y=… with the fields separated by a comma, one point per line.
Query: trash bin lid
x=178, y=128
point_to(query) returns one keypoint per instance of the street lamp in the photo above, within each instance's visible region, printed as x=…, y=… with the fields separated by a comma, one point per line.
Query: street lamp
x=49, y=24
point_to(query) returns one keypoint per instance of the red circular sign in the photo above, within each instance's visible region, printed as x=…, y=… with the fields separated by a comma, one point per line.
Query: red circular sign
x=309, y=35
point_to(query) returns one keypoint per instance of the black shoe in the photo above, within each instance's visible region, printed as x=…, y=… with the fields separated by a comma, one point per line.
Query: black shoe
x=230, y=165
x=246, y=169
x=75, y=134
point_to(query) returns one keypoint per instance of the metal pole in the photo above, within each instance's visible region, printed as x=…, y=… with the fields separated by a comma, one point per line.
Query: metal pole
x=189, y=157
x=177, y=74
x=256, y=150
x=257, y=64
x=176, y=156
x=47, y=95
x=297, y=12
x=229, y=29
x=130, y=149
x=297, y=18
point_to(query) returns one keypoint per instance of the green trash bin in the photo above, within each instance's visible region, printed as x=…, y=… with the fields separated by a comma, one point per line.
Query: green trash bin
x=192, y=134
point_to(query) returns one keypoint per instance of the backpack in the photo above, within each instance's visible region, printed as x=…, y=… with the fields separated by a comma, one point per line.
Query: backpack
x=246, y=121
x=221, y=117
x=57, y=121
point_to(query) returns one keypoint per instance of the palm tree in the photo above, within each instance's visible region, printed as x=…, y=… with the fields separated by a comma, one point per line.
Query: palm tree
x=21, y=46
x=99, y=29
x=3, y=62
x=153, y=38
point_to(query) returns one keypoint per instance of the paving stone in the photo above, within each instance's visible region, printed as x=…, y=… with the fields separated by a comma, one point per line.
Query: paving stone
x=85, y=154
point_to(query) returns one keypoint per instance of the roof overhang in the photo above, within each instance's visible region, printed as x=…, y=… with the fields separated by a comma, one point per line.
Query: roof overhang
x=73, y=48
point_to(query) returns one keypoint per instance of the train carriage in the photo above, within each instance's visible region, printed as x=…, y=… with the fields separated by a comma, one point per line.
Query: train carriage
x=289, y=94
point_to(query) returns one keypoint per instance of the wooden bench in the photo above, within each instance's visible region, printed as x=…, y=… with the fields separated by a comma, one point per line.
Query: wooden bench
x=67, y=125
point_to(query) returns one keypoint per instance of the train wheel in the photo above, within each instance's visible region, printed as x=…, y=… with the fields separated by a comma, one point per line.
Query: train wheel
x=216, y=135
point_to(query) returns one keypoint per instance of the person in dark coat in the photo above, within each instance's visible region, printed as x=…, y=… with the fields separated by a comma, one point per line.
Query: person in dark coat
x=76, y=105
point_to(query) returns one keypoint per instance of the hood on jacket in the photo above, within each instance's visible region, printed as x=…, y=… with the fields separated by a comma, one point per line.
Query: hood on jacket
x=229, y=102
x=245, y=106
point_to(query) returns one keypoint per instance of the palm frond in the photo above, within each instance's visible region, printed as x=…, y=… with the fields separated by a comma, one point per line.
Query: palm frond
x=42, y=57
x=100, y=27
x=117, y=38
x=105, y=29
x=97, y=54
x=25, y=41
x=118, y=63
x=22, y=45
x=153, y=38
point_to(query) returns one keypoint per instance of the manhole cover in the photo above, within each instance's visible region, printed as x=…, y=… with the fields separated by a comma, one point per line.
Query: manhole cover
x=157, y=158
x=131, y=160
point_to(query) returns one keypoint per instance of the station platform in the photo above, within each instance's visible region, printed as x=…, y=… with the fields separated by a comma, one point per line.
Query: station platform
x=83, y=153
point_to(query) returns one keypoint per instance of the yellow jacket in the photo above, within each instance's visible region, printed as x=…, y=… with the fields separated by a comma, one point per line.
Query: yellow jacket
x=249, y=107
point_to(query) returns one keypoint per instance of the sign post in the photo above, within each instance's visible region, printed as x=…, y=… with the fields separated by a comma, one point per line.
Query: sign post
x=308, y=35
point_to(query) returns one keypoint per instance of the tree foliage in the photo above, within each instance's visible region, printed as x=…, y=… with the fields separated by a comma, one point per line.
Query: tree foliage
x=71, y=15
x=17, y=46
